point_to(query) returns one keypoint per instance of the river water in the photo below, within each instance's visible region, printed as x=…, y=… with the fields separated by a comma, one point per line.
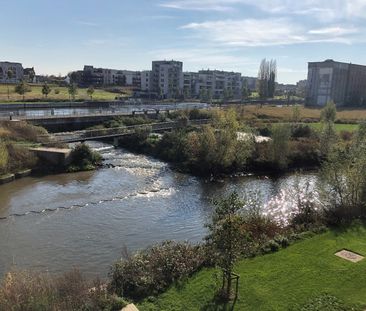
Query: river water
x=86, y=219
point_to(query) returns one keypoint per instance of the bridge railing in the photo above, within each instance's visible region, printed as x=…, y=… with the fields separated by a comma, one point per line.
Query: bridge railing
x=117, y=131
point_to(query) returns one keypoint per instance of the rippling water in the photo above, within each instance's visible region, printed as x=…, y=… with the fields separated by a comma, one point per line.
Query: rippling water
x=85, y=219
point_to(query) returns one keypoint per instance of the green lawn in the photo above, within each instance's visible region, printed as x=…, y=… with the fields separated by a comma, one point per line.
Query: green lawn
x=338, y=127
x=36, y=93
x=284, y=280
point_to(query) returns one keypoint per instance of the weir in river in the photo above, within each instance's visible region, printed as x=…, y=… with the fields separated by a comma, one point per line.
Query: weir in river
x=84, y=220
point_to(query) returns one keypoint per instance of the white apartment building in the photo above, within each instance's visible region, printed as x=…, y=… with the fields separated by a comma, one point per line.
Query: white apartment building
x=16, y=70
x=146, y=80
x=167, y=78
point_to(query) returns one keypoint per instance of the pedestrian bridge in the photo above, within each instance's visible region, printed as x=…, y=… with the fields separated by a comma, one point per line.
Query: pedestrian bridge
x=111, y=133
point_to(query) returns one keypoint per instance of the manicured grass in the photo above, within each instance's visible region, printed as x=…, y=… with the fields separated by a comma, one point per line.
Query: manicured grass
x=284, y=280
x=36, y=93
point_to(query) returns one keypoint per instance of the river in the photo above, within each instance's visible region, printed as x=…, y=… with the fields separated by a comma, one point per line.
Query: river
x=85, y=220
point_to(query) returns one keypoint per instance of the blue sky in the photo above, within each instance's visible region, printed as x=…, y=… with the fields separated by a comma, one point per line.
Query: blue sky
x=61, y=36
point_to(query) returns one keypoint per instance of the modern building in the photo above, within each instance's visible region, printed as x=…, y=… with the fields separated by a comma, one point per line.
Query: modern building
x=251, y=83
x=146, y=80
x=167, y=78
x=29, y=75
x=218, y=82
x=190, y=84
x=342, y=83
x=16, y=69
x=104, y=76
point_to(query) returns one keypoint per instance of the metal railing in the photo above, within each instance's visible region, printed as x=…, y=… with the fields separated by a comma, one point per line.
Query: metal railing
x=103, y=133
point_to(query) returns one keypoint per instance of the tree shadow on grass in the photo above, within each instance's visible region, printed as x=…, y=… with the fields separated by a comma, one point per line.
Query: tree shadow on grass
x=217, y=304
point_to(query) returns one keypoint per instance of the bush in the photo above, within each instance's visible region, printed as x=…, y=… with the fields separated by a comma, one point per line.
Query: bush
x=24, y=291
x=152, y=271
x=83, y=158
x=4, y=157
x=346, y=135
x=20, y=158
x=301, y=130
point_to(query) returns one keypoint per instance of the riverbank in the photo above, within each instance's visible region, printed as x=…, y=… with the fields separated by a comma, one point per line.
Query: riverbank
x=21, y=155
x=304, y=276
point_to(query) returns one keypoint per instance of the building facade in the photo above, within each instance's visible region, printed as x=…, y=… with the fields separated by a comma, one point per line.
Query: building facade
x=104, y=76
x=342, y=83
x=217, y=83
x=16, y=69
x=167, y=78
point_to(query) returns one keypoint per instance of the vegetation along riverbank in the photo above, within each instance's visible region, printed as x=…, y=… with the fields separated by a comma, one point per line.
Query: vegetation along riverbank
x=232, y=143
x=249, y=260
x=18, y=139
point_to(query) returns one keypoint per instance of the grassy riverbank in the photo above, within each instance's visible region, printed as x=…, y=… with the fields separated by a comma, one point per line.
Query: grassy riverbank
x=59, y=93
x=286, y=113
x=17, y=137
x=286, y=280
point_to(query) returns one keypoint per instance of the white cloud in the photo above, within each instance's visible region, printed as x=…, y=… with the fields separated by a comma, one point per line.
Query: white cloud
x=201, y=5
x=266, y=32
x=321, y=9
x=334, y=31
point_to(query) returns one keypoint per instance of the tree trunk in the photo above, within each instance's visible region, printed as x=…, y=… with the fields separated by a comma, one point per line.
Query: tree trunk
x=228, y=282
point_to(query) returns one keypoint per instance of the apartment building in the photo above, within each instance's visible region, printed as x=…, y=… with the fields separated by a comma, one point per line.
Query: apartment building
x=16, y=69
x=146, y=80
x=218, y=82
x=343, y=83
x=104, y=76
x=167, y=78
x=190, y=84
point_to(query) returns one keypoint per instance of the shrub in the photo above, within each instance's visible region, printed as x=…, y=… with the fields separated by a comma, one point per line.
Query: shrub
x=301, y=130
x=20, y=158
x=346, y=135
x=25, y=291
x=152, y=271
x=83, y=158
x=4, y=157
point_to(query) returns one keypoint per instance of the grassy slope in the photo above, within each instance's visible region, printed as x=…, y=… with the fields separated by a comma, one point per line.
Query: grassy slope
x=36, y=93
x=285, y=113
x=283, y=280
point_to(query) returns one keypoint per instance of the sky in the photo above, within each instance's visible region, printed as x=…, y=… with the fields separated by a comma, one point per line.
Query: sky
x=57, y=37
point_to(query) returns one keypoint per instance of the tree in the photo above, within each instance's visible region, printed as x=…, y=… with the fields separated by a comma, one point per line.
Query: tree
x=328, y=135
x=203, y=94
x=21, y=88
x=209, y=96
x=46, y=90
x=244, y=90
x=266, y=82
x=272, y=78
x=90, y=92
x=281, y=134
x=343, y=181
x=72, y=90
x=227, y=237
x=9, y=76
x=296, y=114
